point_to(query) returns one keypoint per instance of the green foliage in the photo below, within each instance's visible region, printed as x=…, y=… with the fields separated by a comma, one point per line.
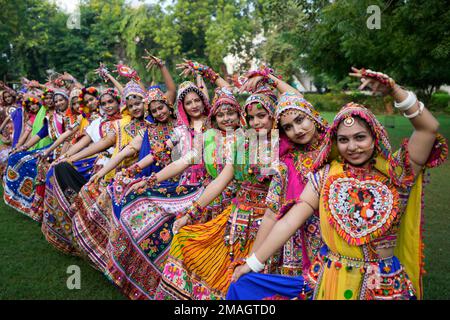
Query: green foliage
x=334, y=101
x=113, y=31
x=321, y=37
x=440, y=102
x=412, y=44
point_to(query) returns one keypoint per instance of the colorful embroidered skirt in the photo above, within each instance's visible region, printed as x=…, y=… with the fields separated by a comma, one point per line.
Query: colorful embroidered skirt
x=141, y=233
x=201, y=256
x=63, y=182
x=4, y=153
x=91, y=223
x=37, y=206
x=342, y=279
x=257, y=286
x=19, y=182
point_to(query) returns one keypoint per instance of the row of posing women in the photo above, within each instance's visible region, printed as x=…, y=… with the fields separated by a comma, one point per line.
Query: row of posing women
x=125, y=227
x=62, y=205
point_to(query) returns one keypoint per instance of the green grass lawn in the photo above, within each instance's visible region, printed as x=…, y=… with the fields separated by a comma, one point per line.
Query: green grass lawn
x=31, y=269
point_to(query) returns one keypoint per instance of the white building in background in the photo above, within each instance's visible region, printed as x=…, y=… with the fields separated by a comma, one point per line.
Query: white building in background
x=305, y=83
x=445, y=88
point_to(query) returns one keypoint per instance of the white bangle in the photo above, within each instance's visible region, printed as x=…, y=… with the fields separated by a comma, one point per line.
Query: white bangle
x=408, y=103
x=254, y=263
x=417, y=112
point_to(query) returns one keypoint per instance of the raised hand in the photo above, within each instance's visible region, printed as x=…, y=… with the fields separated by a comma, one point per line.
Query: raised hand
x=186, y=68
x=152, y=61
x=377, y=81
x=102, y=71
x=127, y=72
x=67, y=77
x=250, y=84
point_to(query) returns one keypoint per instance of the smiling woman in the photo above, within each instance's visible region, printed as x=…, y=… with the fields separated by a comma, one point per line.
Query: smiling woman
x=369, y=202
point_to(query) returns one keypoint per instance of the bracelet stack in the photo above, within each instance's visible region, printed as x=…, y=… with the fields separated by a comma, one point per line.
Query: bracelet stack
x=254, y=264
x=264, y=71
x=408, y=103
x=133, y=170
x=204, y=71
x=152, y=180
x=193, y=212
x=416, y=113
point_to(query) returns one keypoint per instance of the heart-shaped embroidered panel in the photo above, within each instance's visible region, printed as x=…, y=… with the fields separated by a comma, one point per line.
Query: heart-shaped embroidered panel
x=360, y=210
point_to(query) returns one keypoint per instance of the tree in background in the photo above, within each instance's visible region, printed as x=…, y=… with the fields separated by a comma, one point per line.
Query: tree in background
x=322, y=37
x=25, y=46
x=286, y=25
x=412, y=45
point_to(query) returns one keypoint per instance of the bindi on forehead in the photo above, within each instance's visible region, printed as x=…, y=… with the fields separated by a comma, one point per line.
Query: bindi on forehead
x=191, y=96
x=354, y=130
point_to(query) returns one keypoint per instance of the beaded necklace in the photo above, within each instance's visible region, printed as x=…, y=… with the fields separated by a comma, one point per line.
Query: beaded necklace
x=135, y=126
x=359, y=172
x=304, y=158
x=161, y=132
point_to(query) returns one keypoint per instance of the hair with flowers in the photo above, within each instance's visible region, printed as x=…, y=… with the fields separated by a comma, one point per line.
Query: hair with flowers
x=29, y=100
x=46, y=92
x=83, y=109
x=113, y=92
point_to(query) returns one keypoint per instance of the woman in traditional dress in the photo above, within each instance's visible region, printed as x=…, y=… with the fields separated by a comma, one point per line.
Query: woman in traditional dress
x=303, y=131
x=55, y=124
x=142, y=224
x=56, y=225
x=14, y=119
x=160, y=106
x=22, y=169
x=17, y=117
x=6, y=133
x=69, y=178
x=9, y=97
x=119, y=135
x=83, y=109
x=369, y=201
x=93, y=235
x=198, y=265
